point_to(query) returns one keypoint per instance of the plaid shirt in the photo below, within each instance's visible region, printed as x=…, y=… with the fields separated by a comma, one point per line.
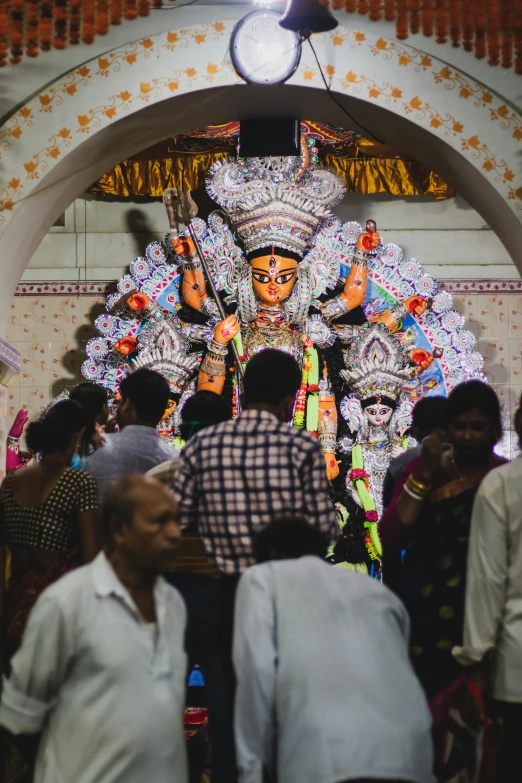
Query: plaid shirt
x=236, y=477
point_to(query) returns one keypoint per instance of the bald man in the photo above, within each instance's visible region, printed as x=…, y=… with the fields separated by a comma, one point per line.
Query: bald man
x=102, y=667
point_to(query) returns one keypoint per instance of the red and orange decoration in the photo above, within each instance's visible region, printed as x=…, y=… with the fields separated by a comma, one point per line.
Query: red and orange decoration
x=28, y=27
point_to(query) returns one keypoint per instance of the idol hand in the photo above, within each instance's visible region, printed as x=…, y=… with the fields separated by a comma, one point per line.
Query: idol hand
x=370, y=239
x=226, y=330
x=181, y=208
x=332, y=468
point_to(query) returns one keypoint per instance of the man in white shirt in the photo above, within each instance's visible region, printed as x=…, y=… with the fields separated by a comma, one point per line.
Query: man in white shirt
x=322, y=653
x=493, y=610
x=137, y=447
x=102, y=668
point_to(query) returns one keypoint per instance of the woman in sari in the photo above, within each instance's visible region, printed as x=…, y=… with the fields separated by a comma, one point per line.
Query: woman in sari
x=425, y=534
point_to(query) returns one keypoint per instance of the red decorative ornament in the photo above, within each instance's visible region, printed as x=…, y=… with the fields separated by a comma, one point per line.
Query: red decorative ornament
x=31, y=34
x=468, y=29
x=507, y=21
x=17, y=31
x=45, y=29
x=427, y=17
x=102, y=17
x=137, y=302
x=60, y=24
x=402, y=19
x=74, y=22
x=493, y=32
x=479, y=15
x=358, y=473
x=372, y=516
x=88, y=22
x=441, y=21
x=126, y=345
x=116, y=11
x=414, y=8
x=129, y=9
x=375, y=10
x=4, y=21
x=455, y=12
x=389, y=10
x=518, y=36
x=351, y=6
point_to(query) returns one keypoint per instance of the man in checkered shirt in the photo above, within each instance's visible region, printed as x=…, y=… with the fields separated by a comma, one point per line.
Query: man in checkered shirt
x=238, y=476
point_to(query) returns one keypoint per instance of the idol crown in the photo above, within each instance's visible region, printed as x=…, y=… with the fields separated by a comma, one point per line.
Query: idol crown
x=376, y=364
x=274, y=201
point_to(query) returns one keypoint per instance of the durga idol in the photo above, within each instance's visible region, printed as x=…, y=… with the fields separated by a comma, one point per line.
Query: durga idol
x=284, y=278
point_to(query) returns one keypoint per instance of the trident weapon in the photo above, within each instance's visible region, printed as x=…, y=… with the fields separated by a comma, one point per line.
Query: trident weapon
x=181, y=208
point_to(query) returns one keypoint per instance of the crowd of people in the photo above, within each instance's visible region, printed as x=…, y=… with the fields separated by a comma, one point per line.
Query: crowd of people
x=126, y=563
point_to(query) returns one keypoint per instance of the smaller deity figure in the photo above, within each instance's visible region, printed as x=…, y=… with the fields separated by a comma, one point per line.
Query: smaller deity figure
x=378, y=414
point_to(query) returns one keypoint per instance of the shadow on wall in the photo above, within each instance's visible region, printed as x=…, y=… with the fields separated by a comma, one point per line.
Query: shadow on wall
x=73, y=359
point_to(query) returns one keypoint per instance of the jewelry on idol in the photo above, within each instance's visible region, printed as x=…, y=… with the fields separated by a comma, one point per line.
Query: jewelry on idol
x=335, y=308
x=209, y=308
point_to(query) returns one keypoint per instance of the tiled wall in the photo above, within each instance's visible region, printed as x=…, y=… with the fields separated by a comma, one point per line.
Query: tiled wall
x=51, y=331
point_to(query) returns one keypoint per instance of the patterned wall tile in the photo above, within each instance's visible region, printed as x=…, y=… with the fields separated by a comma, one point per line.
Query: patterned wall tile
x=496, y=355
x=65, y=362
x=515, y=315
x=13, y=321
x=34, y=364
x=13, y=404
x=67, y=317
x=467, y=304
x=35, y=319
x=493, y=316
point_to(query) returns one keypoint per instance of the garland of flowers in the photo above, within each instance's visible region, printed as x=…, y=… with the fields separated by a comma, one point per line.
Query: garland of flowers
x=487, y=27
x=360, y=479
x=300, y=402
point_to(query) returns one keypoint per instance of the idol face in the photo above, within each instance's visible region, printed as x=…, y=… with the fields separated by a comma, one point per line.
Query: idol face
x=273, y=278
x=378, y=415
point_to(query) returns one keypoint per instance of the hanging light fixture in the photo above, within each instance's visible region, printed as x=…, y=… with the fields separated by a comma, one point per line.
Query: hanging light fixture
x=308, y=16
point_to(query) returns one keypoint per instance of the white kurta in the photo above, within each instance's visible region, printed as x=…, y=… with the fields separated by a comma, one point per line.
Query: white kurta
x=493, y=614
x=322, y=653
x=107, y=696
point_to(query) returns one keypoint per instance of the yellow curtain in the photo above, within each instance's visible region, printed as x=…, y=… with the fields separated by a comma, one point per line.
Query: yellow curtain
x=391, y=175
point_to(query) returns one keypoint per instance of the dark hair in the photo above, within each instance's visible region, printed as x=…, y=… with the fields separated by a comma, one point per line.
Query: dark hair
x=430, y=414
x=90, y=396
x=202, y=410
x=270, y=376
x=290, y=536
x=149, y=392
x=388, y=401
x=118, y=501
x=475, y=395
x=54, y=430
x=274, y=251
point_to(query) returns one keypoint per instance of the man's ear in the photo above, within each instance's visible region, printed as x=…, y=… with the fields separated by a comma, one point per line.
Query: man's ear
x=287, y=406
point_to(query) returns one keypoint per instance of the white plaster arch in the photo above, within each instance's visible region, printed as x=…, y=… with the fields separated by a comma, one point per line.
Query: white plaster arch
x=111, y=107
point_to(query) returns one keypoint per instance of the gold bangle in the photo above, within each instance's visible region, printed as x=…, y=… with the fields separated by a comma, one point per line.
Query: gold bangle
x=417, y=486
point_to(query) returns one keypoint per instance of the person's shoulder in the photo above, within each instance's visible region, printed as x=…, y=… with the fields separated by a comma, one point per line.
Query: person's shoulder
x=505, y=473
x=68, y=591
x=172, y=597
x=110, y=440
x=301, y=437
x=81, y=476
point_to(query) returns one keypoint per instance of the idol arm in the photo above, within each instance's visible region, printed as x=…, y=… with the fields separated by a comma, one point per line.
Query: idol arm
x=356, y=285
x=213, y=367
x=327, y=426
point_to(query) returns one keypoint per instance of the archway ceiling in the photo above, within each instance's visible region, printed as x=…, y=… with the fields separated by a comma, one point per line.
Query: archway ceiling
x=108, y=109
x=367, y=166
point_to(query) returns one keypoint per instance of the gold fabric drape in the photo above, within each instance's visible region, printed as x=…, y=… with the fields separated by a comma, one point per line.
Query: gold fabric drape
x=394, y=176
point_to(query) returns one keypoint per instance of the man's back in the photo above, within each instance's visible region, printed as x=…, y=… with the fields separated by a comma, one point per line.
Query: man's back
x=347, y=702
x=236, y=477
x=136, y=449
